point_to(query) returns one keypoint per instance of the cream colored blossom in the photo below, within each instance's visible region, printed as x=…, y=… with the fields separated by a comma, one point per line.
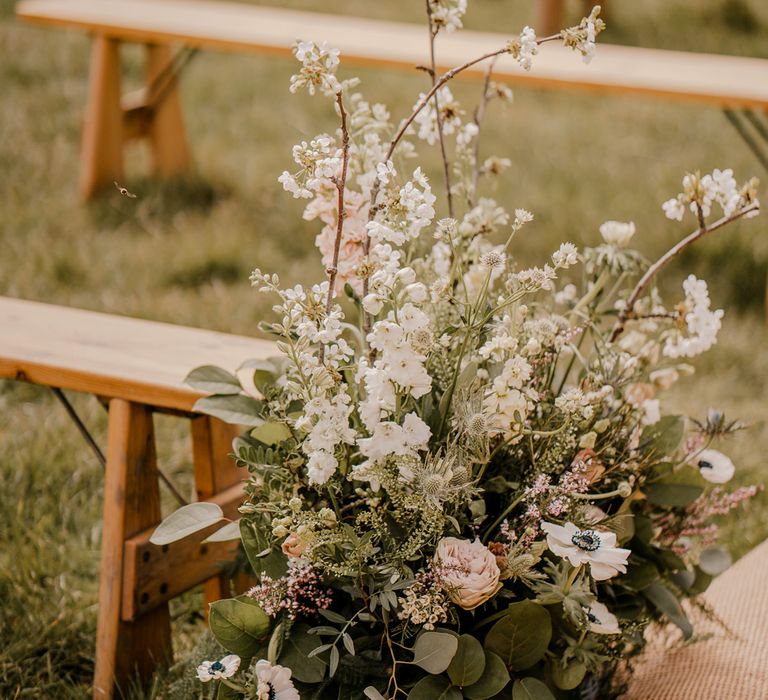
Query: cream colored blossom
x=470, y=572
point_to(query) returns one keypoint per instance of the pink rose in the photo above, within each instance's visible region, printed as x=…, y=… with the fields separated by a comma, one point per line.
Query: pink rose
x=294, y=546
x=469, y=571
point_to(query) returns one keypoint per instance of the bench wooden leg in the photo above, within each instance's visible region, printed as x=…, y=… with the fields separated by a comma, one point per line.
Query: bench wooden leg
x=166, y=128
x=102, y=145
x=131, y=504
x=215, y=471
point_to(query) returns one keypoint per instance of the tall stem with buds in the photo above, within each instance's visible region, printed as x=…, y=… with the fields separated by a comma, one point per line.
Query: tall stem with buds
x=478, y=119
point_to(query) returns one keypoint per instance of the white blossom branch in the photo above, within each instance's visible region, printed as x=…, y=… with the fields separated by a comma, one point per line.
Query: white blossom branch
x=673, y=252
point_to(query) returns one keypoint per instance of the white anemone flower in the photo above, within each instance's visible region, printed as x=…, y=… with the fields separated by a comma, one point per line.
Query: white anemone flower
x=594, y=547
x=714, y=466
x=601, y=620
x=215, y=670
x=274, y=682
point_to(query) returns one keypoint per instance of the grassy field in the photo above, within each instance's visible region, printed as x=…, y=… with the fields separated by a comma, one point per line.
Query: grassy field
x=182, y=252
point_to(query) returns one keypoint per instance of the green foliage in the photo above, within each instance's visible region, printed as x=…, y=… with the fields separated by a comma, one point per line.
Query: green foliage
x=521, y=637
x=186, y=521
x=468, y=663
x=434, y=688
x=296, y=655
x=433, y=651
x=213, y=380
x=236, y=409
x=531, y=689
x=663, y=437
x=239, y=625
x=494, y=679
x=666, y=602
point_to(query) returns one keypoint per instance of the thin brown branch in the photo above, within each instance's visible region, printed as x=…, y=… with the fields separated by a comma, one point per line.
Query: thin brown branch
x=672, y=253
x=478, y=119
x=438, y=115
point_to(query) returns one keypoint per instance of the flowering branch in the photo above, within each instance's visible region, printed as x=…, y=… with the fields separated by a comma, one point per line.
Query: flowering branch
x=669, y=255
x=433, y=73
x=340, y=183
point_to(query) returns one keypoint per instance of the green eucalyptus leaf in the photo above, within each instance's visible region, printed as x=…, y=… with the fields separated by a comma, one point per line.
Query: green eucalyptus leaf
x=675, y=495
x=531, y=689
x=272, y=433
x=664, y=437
x=295, y=655
x=238, y=410
x=265, y=372
x=522, y=636
x=715, y=560
x=568, y=677
x=434, y=688
x=186, y=521
x=433, y=651
x=274, y=563
x=231, y=531
x=666, y=602
x=494, y=679
x=468, y=663
x=239, y=625
x=213, y=380
x=639, y=575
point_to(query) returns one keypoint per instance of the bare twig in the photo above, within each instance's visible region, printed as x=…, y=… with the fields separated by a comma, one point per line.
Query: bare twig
x=478, y=118
x=438, y=115
x=669, y=255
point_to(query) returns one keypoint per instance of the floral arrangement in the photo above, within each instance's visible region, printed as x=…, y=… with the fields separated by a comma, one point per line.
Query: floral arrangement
x=462, y=483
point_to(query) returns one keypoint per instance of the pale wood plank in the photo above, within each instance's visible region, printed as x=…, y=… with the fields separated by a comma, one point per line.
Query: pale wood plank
x=113, y=356
x=131, y=505
x=721, y=80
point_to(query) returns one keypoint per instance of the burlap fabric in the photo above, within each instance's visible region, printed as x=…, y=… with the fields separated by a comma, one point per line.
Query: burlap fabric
x=724, y=666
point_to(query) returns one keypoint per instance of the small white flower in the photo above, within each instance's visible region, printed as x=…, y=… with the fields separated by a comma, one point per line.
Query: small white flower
x=651, y=411
x=601, y=620
x=617, y=233
x=566, y=255
x=493, y=260
x=674, y=209
x=372, y=304
x=714, y=466
x=214, y=670
x=417, y=292
x=594, y=547
x=274, y=682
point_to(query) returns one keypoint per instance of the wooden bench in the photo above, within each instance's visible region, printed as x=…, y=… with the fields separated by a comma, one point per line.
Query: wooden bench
x=137, y=368
x=155, y=113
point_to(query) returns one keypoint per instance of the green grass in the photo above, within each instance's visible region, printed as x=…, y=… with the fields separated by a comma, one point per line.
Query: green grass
x=182, y=251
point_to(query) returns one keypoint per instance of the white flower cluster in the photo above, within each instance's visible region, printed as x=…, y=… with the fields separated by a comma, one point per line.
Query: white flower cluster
x=318, y=68
x=326, y=422
x=447, y=14
x=719, y=187
x=450, y=115
x=318, y=161
x=524, y=48
x=582, y=37
x=507, y=401
x=701, y=322
x=617, y=233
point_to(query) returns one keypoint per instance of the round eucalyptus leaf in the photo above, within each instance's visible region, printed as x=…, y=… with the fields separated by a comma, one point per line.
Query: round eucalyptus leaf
x=494, y=679
x=568, y=677
x=434, y=688
x=468, y=662
x=433, y=651
x=186, y=521
x=531, y=689
x=239, y=625
x=714, y=561
x=522, y=636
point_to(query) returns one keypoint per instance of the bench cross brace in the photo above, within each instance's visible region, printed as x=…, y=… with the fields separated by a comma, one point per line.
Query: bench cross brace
x=751, y=137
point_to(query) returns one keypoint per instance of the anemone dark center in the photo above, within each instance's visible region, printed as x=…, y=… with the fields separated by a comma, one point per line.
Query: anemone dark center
x=588, y=540
x=703, y=464
x=592, y=619
x=217, y=666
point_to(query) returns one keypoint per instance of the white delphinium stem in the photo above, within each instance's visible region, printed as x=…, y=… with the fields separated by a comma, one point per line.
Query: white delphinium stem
x=673, y=252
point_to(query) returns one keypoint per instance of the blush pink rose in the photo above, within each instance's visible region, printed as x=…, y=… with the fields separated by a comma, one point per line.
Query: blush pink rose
x=293, y=546
x=469, y=571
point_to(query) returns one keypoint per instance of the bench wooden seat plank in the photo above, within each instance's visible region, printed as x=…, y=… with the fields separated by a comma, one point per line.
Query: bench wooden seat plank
x=112, y=356
x=723, y=80
x=138, y=367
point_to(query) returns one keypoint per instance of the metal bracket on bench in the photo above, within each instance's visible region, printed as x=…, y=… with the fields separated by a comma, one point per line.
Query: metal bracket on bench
x=758, y=131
